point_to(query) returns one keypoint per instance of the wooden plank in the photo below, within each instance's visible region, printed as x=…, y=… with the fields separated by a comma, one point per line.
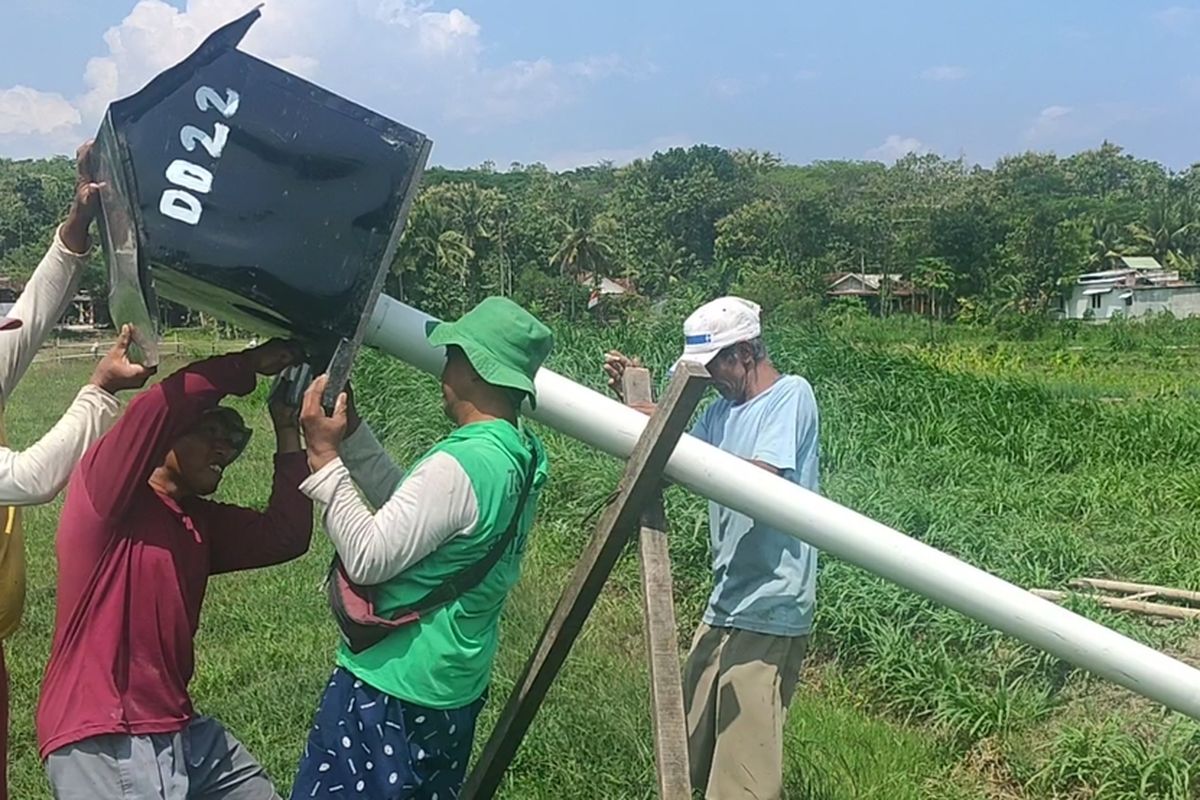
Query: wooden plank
x=639, y=483
x=1121, y=604
x=662, y=636
x=1127, y=586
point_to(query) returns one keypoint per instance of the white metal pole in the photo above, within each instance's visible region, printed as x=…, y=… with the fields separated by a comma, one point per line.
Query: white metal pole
x=579, y=412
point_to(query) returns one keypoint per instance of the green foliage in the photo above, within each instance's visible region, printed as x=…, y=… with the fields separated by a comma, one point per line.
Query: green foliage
x=987, y=242
x=1108, y=760
x=34, y=197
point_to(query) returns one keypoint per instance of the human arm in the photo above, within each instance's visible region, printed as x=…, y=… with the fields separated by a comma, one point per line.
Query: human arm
x=243, y=538
x=373, y=470
x=434, y=502
x=615, y=363
x=787, y=443
x=53, y=284
x=40, y=306
x=123, y=459
x=39, y=472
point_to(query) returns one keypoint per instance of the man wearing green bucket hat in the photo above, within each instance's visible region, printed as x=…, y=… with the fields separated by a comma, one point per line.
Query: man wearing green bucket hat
x=423, y=571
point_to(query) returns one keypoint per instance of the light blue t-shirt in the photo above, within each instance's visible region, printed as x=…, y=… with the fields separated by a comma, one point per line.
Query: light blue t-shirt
x=765, y=580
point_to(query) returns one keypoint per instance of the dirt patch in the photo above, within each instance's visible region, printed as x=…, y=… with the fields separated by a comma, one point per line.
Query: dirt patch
x=985, y=764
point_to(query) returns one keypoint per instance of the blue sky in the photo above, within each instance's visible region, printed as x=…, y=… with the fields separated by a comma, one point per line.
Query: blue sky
x=569, y=83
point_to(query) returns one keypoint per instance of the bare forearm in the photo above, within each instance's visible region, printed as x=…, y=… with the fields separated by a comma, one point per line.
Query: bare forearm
x=287, y=440
x=74, y=233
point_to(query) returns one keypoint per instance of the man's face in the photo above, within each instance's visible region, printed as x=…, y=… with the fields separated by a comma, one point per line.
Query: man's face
x=456, y=379
x=200, y=456
x=730, y=373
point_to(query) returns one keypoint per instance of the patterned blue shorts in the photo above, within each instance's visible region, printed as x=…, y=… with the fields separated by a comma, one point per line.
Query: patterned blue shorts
x=366, y=744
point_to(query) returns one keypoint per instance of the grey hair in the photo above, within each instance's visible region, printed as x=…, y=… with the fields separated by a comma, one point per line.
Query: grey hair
x=758, y=349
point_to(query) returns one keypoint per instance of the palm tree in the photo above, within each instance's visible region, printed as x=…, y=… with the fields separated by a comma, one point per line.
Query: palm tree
x=584, y=250
x=474, y=212
x=1166, y=232
x=934, y=276
x=454, y=255
x=1106, y=245
x=418, y=250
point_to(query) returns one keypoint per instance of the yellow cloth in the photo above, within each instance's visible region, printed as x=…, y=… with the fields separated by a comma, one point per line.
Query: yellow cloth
x=12, y=563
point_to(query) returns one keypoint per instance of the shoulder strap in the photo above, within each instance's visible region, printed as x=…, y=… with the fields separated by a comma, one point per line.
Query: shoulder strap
x=470, y=576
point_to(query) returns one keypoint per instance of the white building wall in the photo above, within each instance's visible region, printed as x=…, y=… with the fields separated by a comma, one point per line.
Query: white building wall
x=1078, y=303
x=1181, y=301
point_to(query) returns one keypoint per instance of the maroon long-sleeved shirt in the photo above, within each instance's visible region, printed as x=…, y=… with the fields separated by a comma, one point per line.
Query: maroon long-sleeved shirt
x=133, y=565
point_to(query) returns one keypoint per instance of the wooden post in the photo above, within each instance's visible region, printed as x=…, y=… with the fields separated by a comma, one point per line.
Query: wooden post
x=662, y=637
x=639, y=483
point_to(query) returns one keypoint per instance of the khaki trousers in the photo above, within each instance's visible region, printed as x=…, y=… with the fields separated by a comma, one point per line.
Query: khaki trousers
x=736, y=689
x=201, y=762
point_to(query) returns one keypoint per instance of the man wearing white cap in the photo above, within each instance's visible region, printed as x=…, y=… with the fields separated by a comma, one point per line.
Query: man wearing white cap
x=36, y=474
x=746, y=655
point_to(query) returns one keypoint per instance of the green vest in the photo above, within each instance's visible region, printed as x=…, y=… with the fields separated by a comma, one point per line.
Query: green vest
x=445, y=659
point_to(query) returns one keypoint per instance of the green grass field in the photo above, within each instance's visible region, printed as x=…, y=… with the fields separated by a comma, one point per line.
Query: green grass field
x=1012, y=456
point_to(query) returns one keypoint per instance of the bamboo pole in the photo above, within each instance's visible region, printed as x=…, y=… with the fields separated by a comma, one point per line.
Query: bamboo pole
x=1123, y=604
x=1126, y=586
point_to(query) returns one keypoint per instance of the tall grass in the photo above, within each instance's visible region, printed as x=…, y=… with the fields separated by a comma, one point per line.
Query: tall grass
x=991, y=450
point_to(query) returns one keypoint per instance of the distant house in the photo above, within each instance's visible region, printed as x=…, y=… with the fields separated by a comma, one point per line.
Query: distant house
x=85, y=312
x=1140, y=286
x=10, y=290
x=606, y=287
x=873, y=287
x=81, y=313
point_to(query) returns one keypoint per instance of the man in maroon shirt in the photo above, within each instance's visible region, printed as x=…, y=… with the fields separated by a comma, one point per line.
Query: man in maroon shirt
x=136, y=545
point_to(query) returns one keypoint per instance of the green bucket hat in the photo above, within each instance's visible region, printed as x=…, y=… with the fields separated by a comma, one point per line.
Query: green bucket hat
x=504, y=343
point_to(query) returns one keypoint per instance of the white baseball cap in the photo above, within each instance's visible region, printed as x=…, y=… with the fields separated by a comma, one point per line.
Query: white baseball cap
x=719, y=324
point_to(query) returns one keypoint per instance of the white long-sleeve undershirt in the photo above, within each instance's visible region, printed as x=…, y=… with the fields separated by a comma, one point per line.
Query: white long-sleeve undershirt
x=416, y=513
x=39, y=472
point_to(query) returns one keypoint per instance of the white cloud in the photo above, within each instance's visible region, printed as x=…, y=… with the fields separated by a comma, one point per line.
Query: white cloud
x=399, y=57
x=894, y=148
x=1178, y=19
x=726, y=88
x=943, y=73
x=1052, y=122
x=598, y=67
x=519, y=90
x=1060, y=126
x=807, y=75
x=569, y=159
x=26, y=111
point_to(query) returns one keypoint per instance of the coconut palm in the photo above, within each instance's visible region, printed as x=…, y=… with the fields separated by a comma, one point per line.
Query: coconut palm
x=1106, y=247
x=584, y=249
x=1166, y=233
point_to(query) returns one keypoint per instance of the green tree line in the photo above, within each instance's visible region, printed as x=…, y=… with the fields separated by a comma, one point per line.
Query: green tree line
x=692, y=223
